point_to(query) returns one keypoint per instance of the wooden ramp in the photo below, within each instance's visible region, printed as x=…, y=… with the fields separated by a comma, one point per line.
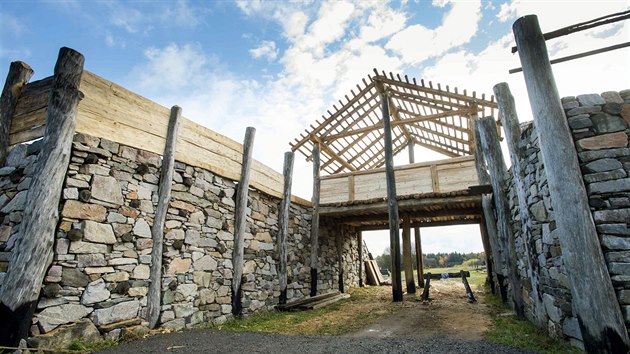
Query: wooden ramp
x=374, y=276
x=313, y=302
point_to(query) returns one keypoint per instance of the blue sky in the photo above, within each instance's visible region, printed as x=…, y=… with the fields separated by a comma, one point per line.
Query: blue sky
x=279, y=65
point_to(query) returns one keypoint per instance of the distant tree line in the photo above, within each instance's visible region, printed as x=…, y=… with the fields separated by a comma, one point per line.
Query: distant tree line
x=434, y=260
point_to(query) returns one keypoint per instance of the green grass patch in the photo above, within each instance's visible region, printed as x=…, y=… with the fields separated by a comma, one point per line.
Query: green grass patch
x=509, y=330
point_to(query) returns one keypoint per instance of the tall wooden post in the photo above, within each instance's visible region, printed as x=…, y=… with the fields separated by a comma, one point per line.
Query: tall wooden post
x=34, y=247
x=18, y=76
x=315, y=221
x=512, y=129
x=494, y=249
x=283, y=217
x=411, y=285
x=593, y=297
x=154, y=296
x=416, y=230
x=360, y=246
x=486, y=246
x=240, y=219
x=394, y=226
x=494, y=158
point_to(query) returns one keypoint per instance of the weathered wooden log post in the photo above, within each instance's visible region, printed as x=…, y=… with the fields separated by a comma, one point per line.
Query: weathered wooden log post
x=360, y=246
x=407, y=264
x=315, y=221
x=494, y=158
x=394, y=225
x=283, y=217
x=339, y=236
x=18, y=76
x=512, y=129
x=593, y=297
x=33, y=250
x=469, y=292
x=490, y=237
x=154, y=296
x=240, y=221
x=416, y=230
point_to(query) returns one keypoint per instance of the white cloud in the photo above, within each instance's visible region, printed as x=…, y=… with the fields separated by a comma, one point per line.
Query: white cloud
x=10, y=25
x=266, y=49
x=417, y=43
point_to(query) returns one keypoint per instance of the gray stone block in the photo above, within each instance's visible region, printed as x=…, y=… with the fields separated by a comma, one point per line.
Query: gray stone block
x=603, y=165
x=592, y=99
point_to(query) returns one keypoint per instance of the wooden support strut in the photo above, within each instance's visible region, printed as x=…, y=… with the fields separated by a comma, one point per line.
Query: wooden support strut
x=394, y=239
x=33, y=250
x=154, y=298
x=315, y=220
x=416, y=230
x=283, y=219
x=492, y=150
x=593, y=297
x=240, y=213
x=339, y=237
x=360, y=247
x=18, y=75
x=407, y=263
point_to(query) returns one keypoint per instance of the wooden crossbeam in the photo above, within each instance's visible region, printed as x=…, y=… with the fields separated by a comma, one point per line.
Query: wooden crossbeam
x=424, y=101
x=333, y=154
x=437, y=122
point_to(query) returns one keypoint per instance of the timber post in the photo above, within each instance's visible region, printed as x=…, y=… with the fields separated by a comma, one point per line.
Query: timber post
x=339, y=241
x=360, y=247
x=394, y=224
x=494, y=159
x=154, y=296
x=489, y=238
x=594, y=300
x=416, y=230
x=512, y=130
x=240, y=220
x=33, y=254
x=17, y=77
x=408, y=265
x=283, y=217
x=315, y=220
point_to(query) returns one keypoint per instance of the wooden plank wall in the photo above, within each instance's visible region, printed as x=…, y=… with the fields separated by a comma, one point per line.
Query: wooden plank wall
x=421, y=178
x=110, y=111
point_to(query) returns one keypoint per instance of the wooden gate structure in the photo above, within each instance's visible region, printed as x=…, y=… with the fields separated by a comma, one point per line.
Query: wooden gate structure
x=355, y=146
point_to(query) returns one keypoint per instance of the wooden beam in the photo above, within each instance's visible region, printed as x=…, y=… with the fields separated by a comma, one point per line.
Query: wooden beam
x=593, y=298
x=240, y=222
x=394, y=239
x=360, y=246
x=494, y=159
x=425, y=101
x=416, y=230
x=396, y=123
x=333, y=154
x=17, y=77
x=384, y=226
x=469, y=293
x=416, y=205
x=436, y=122
x=283, y=219
x=33, y=250
x=507, y=107
x=339, y=236
x=407, y=264
x=154, y=296
x=315, y=221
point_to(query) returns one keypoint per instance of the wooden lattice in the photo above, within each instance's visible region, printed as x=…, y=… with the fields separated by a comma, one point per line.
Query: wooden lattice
x=351, y=137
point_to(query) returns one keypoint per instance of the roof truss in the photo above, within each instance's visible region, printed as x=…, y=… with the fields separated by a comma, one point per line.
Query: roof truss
x=351, y=137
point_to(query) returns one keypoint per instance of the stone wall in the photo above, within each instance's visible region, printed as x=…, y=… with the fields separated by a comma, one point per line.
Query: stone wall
x=99, y=275
x=600, y=128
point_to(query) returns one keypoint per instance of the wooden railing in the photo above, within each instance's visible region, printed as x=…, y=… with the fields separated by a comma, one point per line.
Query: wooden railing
x=110, y=111
x=420, y=178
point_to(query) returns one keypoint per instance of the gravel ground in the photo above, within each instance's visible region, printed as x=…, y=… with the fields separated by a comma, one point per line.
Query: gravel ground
x=228, y=342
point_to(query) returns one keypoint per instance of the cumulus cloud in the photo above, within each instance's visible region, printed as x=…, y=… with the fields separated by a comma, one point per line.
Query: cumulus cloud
x=266, y=49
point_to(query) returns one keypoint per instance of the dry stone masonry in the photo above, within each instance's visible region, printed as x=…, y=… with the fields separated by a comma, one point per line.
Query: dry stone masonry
x=99, y=276
x=600, y=129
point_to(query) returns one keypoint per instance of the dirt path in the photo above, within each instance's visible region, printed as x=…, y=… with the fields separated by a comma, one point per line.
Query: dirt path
x=447, y=314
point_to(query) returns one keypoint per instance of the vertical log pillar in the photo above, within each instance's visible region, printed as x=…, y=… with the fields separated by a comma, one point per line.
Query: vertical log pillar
x=283, y=217
x=494, y=158
x=512, y=129
x=33, y=250
x=339, y=236
x=488, y=220
x=154, y=296
x=18, y=76
x=394, y=226
x=407, y=264
x=315, y=221
x=360, y=246
x=240, y=220
x=486, y=246
x=594, y=299
x=416, y=230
